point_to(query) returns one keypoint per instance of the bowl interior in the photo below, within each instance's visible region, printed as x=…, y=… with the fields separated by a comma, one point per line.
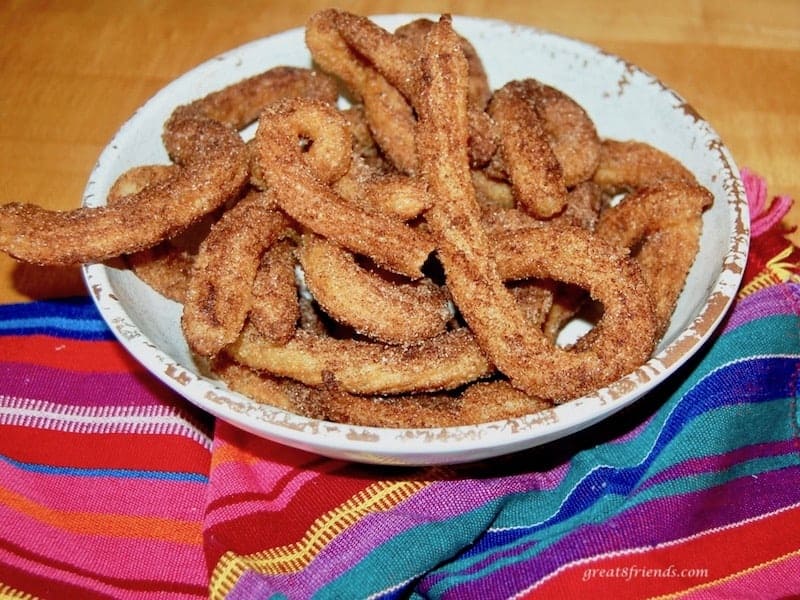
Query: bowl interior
x=623, y=101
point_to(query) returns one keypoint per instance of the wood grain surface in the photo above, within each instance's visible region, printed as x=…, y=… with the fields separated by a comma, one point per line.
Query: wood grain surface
x=71, y=72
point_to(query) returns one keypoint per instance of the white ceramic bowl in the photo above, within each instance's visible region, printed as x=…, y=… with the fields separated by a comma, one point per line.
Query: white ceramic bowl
x=624, y=102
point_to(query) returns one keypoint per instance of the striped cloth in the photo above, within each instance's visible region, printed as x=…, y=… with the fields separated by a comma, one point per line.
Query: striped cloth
x=113, y=487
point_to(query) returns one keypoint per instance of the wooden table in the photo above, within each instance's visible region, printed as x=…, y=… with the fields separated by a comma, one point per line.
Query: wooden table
x=73, y=70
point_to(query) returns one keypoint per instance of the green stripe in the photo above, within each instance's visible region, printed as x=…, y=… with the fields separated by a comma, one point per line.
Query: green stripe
x=411, y=553
x=396, y=560
x=775, y=334
x=692, y=442
x=601, y=512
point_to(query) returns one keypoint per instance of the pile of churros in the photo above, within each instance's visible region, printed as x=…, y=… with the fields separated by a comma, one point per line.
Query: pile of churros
x=405, y=258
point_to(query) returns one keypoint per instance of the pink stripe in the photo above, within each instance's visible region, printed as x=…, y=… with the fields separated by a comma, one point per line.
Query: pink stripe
x=769, y=581
x=151, y=419
x=134, y=497
x=258, y=478
x=86, y=389
x=764, y=222
x=762, y=217
x=11, y=562
x=232, y=475
x=110, y=557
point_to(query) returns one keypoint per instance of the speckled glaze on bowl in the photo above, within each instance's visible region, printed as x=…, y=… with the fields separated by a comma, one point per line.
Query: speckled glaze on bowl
x=624, y=102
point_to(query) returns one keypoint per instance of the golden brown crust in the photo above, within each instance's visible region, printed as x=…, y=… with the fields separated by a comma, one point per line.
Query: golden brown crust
x=384, y=310
x=480, y=402
x=426, y=275
x=275, y=310
x=219, y=295
x=389, y=115
x=537, y=180
x=624, y=336
x=662, y=225
x=239, y=104
x=478, y=89
x=166, y=266
x=361, y=367
x=213, y=168
x=380, y=69
x=376, y=190
x=630, y=165
x=299, y=191
x=571, y=132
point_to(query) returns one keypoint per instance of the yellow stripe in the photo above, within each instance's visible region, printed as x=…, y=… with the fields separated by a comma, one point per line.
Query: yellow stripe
x=775, y=271
x=729, y=578
x=9, y=593
x=294, y=557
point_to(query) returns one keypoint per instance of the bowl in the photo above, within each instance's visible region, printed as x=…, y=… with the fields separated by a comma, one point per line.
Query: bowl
x=624, y=101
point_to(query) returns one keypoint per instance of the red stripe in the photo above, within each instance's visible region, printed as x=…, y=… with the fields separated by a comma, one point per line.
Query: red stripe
x=721, y=553
x=99, y=356
x=154, y=452
x=247, y=533
x=39, y=586
x=98, y=584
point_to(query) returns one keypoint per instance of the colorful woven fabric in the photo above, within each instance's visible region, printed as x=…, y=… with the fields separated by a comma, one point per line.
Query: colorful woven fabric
x=111, y=486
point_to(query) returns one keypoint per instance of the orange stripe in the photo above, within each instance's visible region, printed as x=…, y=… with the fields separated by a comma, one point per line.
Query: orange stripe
x=225, y=453
x=120, y=526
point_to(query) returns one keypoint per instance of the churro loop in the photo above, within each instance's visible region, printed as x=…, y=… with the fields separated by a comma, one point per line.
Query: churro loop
x=165, y=267
x=239, y=104
x=624, y=336
x=135, y=179
x=478, y=89
x=535, y=172
x=375, y=190
x=213, y=168
x=219, y=296
x=384, y=310
x=361, y=367
x=390, y=117
x=305, y=197
x=548, y=303
x=629, y=165
x=201, y=138
x=571, y=131
x=480, y=402
x=315, y=134
x=662, y=225
x=275, y=310
x=380, y=68
x=518, y=349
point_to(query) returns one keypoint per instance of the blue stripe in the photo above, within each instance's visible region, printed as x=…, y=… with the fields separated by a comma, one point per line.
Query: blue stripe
x=758, y=380
x=115, y=473
x=52, y=324
x=774, y=381
x=510, y=526
x=70, y=317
